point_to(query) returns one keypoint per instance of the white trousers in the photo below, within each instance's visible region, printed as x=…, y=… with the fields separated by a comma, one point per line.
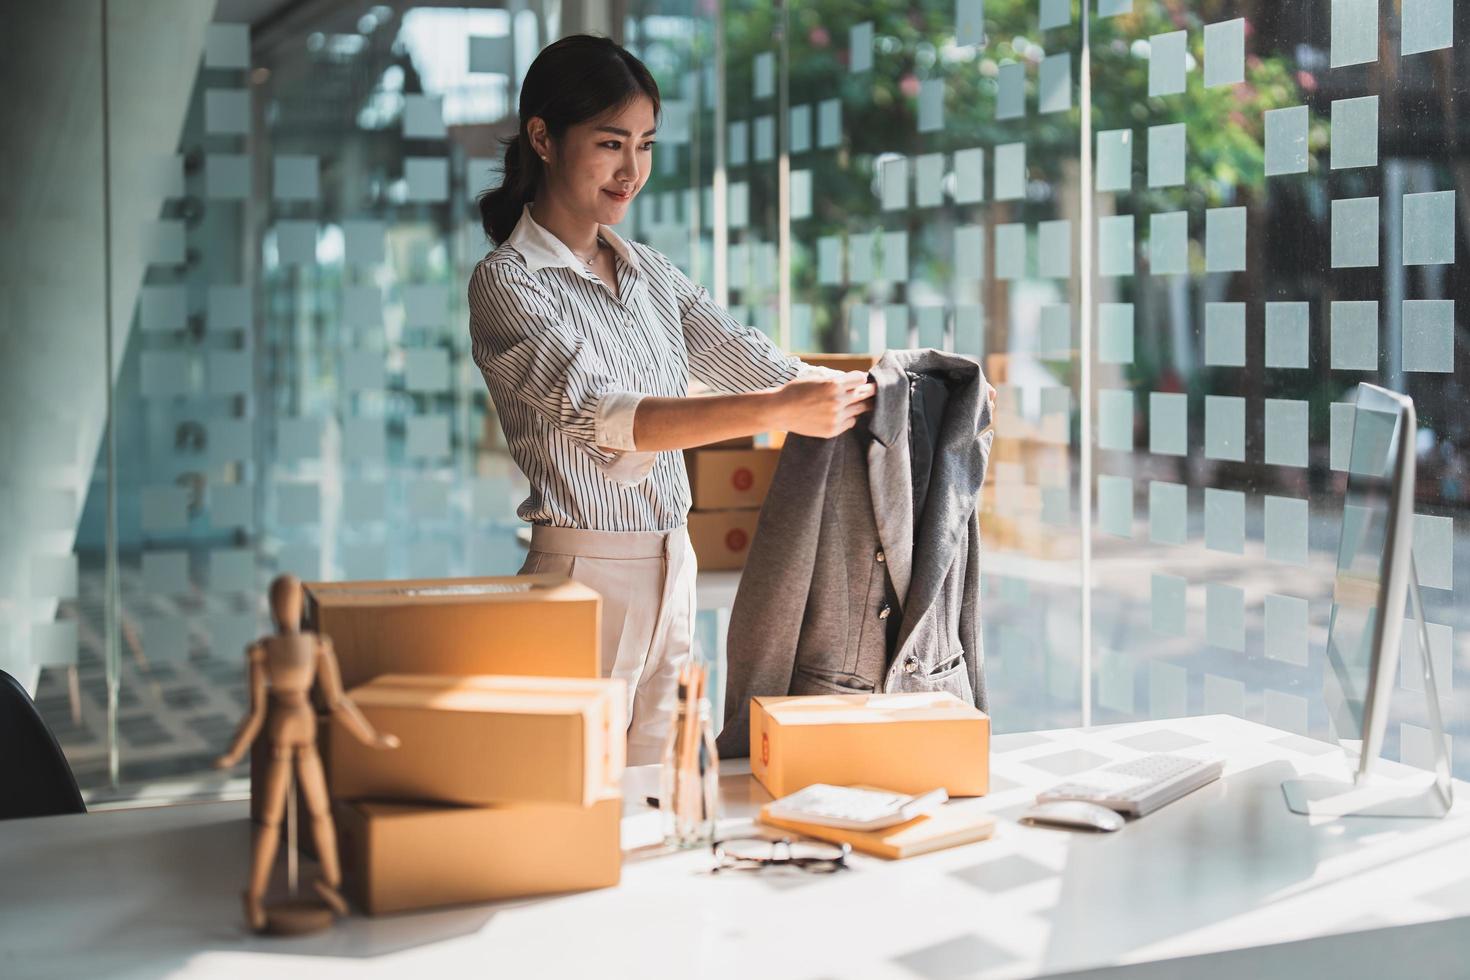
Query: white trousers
x=646, y=580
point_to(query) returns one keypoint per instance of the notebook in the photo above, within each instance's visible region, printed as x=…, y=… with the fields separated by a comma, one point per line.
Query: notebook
x=955, y=823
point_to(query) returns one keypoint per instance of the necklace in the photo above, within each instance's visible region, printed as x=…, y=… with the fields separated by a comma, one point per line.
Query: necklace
x=587, y=262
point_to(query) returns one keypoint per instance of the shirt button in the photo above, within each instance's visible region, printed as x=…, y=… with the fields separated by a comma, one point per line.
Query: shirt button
x=881, y=558
x=911, y=665
x=885, y=611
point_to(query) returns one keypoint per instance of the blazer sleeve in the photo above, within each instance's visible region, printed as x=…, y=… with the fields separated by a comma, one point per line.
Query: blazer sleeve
x=724, y=354
x=523, y=347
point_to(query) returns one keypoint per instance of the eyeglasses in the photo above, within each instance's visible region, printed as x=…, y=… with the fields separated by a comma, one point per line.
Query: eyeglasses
x=757, y=853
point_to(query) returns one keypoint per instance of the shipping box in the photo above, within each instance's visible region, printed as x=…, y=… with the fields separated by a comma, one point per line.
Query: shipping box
x=722, y=538
x=907, y=743
x=722, y=479
x=483, y=740
x=541, y=625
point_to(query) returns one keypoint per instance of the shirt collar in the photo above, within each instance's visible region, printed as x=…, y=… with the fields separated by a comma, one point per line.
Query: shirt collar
x=541, y=249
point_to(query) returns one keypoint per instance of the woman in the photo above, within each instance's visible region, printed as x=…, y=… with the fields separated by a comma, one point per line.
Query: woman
x=587, y=343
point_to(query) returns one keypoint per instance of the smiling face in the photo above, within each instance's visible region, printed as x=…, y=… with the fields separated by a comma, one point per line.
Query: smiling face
x=597, y=167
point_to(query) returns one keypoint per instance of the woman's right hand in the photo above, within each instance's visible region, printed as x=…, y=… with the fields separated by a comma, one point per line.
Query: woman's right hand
x=824, y=407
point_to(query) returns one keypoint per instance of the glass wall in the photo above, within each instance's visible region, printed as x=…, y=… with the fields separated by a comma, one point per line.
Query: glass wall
x=1176, y=232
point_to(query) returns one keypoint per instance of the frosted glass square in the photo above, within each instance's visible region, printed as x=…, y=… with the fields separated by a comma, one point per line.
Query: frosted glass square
x=164, y=242
x=1286, y=529
x=54, y=644
x=930, y=320
x=1055, y=504
x=1224, y=239
x=1355, y=132
x=1054, y=249
x=227, y=112
x=829, y=124
x=1354, y=232
x=931, y=105
x=426, y=371
x=1355, y=336
x=1010, y=171
x=928, y=179
x=1225, y=520
x=1115, y=419
x=230, y=506
x=166, y=374
x=362, y=306
x=1286, y=712
x=1168, y=243
x=860, y=250
x=738, y=204
x=860, y=327
x=229, y=634
x=1115, y=681
x=428, y=437
x=1287, y=334
x=54, y=576
x=226, y=176
x=367, y=504
x=801, y=195
x=1224, y=427
x=1114, y=8
x=829, y=260
x=737, y=143
x=1167, y=599
x=801, y=327
x=765, y=138
x=1115, y=505
x=1115, y=333
x=299, y=439
x=860, y=46
x=490, y=54
x=423, y=117
x=1168, y=688
x=1114, y=159
x=230, y=440
x=1168, y=423
x=296, y=242
x=164, y=508
x=425, y=305
x=1441, y=655
x=298, y=503
x=363, y=370
x=229, y=308
x=1225, y=53
x=1166, y=155
x=163, y=308
x=1054, y=83
x=1286, y=629
x=1056, y=329
x=1115, y=250
x=1427, y=25
x=1010, y=96
x=969, y=253
x=1166, y=63
x=969, y=22
x=969, y=328
x=427, y=179
x=226, y=45
x=1286, y=140
x=302, y=560
x=296, y=178
x=1055, y=13
x=1010, y=251
x=763, y=75
x=895, y=184
x=1434, y=556
x=1168, y=512
x=896, y=326
x=1286, y=432
x=428, y=499
x=800, y=124
x=1225, y=617
x=1354, y=32
x=232, y=570
x=1340, y=437
x=896, y=256
x=1224, y=696
x=1225, y=334
x=1429, y=228
x=1429, y=335
x=165, y=572
x=969, y=176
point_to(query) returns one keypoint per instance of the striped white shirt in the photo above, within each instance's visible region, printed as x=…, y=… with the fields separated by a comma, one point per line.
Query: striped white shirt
x=566, y=363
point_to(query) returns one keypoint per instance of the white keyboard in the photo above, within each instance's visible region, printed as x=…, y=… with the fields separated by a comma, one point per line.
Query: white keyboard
x=1140, y=786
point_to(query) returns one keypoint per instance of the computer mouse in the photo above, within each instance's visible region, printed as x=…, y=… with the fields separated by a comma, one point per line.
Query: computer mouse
x=1073, y=814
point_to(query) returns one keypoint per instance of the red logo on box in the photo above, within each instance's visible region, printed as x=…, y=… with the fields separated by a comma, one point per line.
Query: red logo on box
x=765, y=749
x=742, y=479
x=736, y=539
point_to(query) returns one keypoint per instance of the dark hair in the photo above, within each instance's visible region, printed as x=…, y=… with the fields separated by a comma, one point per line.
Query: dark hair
x=571, y=81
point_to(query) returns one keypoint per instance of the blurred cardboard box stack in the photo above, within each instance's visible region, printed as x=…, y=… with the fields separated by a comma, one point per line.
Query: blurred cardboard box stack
x=729, y=481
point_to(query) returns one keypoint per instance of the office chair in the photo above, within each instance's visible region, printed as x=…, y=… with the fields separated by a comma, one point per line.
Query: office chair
x=35, y=780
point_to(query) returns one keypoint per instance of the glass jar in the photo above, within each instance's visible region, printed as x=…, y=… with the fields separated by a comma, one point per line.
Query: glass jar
x=689, y=782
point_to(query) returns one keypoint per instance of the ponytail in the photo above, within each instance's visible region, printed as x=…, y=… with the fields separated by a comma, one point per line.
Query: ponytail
x=604, y=77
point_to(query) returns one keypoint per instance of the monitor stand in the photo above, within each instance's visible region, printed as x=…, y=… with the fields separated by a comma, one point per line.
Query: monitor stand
x=1370, y=796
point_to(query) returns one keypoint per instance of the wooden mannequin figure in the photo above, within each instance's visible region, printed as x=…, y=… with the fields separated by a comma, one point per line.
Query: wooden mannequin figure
x=283, y=668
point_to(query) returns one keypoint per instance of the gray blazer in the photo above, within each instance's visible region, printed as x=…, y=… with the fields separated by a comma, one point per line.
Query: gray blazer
x=846, y=589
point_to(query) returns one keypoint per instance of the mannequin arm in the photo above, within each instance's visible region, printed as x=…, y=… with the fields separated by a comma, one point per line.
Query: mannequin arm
x=250, y=725
x=341, y=705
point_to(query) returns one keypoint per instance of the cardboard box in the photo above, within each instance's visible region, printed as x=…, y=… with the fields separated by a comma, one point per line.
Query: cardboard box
x=841, y=362
x=485, y=740
x=907, y=743
x=722, y=538
x=725, y=479
x=540, y=625
x=397, y=857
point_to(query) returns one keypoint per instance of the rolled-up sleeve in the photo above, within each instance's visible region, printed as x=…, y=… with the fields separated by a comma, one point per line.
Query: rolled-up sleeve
x=523, y=347
x=724, y=354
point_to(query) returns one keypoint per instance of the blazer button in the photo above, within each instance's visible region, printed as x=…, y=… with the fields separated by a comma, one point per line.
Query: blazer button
x=885, y=611
x=881, y=558
x=911, y=665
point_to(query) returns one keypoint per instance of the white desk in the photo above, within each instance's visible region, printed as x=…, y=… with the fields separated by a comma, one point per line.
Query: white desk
x=1226, y=875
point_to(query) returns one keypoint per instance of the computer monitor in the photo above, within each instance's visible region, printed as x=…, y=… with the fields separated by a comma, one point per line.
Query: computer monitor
x=1374, y=578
